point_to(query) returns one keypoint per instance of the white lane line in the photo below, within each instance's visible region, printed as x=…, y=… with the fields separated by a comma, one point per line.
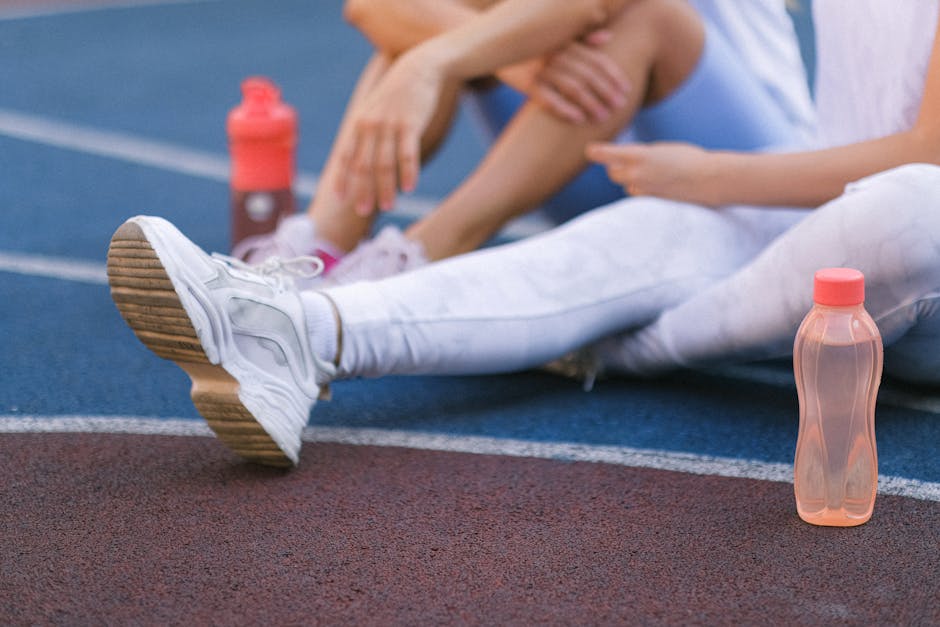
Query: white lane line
x=25, y=9
x=478, y=445
x=114, y=145
x=133, y=425
x=182, y=160
x=54, y=267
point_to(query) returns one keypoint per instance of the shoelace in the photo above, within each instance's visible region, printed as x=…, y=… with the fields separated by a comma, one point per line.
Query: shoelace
x=278, y=272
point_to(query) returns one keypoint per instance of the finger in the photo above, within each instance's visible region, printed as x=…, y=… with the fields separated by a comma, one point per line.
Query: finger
x=608, y=153
x=555, y=102
x=572, y=87
x=385, y=170
x=345, y=150
x=603, y=75
x=361, y=173
x=409, y=158
x=590, y=78
x=598, y=37
x=620, y=175
x=627, y=178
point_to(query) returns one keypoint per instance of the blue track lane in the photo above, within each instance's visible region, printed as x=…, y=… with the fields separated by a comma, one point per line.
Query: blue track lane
x=171, y=73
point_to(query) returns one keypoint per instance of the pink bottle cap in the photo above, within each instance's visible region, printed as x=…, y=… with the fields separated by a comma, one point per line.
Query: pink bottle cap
x=839, y=287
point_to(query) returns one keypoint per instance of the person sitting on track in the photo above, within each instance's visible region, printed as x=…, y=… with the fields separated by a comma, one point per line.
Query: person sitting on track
x=684, y=277
x=727, y=75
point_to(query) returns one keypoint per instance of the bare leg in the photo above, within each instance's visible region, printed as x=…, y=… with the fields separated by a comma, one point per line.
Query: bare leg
x=538, y=152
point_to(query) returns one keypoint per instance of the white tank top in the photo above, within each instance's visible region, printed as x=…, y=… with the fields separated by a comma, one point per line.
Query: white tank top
x=871, y=63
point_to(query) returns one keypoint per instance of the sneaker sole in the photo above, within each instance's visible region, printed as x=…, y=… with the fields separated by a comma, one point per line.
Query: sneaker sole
x=144, y=294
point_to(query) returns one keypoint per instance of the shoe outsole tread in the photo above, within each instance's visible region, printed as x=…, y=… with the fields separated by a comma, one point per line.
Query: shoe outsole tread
x=145, y=297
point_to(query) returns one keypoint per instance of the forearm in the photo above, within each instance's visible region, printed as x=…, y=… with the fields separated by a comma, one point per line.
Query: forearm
x=394, y=26
x=810, y=179
x=511, y=31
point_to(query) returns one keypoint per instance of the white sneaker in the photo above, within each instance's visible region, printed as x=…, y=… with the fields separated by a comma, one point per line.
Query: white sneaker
x=240, y=335
x=387, y=254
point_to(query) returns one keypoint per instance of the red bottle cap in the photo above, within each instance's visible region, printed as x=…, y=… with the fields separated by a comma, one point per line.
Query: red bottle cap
x=262, y=134
x=839, y=287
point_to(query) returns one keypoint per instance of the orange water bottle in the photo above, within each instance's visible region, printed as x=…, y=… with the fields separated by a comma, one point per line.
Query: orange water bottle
x=262, y=132
x=837, y=359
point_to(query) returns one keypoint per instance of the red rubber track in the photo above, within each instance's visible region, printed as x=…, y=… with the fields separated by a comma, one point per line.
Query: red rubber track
x=165, y=530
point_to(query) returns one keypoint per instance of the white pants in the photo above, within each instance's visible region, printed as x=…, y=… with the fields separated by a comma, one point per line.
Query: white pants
x=657, y=285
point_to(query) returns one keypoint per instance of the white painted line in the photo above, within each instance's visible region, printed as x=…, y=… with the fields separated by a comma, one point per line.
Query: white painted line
x=477, y=445
x=616, y=455
x=182, y=160
x=114, y=145
x=54, y=267
x=25, y=9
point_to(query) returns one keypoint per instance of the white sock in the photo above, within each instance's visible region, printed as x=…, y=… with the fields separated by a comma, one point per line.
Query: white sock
x=321, y=325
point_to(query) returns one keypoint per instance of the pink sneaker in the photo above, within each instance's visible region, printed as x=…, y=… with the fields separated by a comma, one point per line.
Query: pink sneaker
x=294, y=236
x=387, y=254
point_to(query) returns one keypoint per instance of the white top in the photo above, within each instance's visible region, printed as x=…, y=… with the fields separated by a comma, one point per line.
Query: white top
x=871, y=63
x=763, y=35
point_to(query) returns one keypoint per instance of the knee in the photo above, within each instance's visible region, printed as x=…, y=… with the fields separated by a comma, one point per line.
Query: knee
x=911, y=184
x=903, y=199
x=356, y=11
x=667, y=36
x=917, y=174
x=668, y=27
x=668, y=17
x=890, y=224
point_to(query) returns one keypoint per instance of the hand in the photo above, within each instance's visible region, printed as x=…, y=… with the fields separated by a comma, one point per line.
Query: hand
x=665, y=169
x=579, y=83
x=381, y=153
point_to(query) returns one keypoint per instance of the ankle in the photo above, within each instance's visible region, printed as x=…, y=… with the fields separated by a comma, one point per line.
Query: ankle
x=323, y=328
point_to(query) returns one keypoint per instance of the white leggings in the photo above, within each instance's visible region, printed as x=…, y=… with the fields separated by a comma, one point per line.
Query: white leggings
x=657, y=285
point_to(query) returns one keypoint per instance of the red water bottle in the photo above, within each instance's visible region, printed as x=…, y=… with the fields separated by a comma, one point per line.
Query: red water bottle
x=262, y=132
x=837, y=360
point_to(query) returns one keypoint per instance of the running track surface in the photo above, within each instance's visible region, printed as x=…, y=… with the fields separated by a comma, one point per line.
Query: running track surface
x=474, y=499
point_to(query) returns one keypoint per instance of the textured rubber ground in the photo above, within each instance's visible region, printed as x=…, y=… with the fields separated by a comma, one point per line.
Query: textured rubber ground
x=147, y=530
x=145, y=296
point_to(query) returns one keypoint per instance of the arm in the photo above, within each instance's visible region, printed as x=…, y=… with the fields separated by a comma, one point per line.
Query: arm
x=576, y=82
x=396, y=26
x=382, y=150
x=399, y=25
x=512, y=31
x=805, y=179
x=813, y=178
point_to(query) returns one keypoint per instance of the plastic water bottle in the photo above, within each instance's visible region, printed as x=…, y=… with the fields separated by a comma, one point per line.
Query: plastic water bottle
x=837, y=359
x=262, y=132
